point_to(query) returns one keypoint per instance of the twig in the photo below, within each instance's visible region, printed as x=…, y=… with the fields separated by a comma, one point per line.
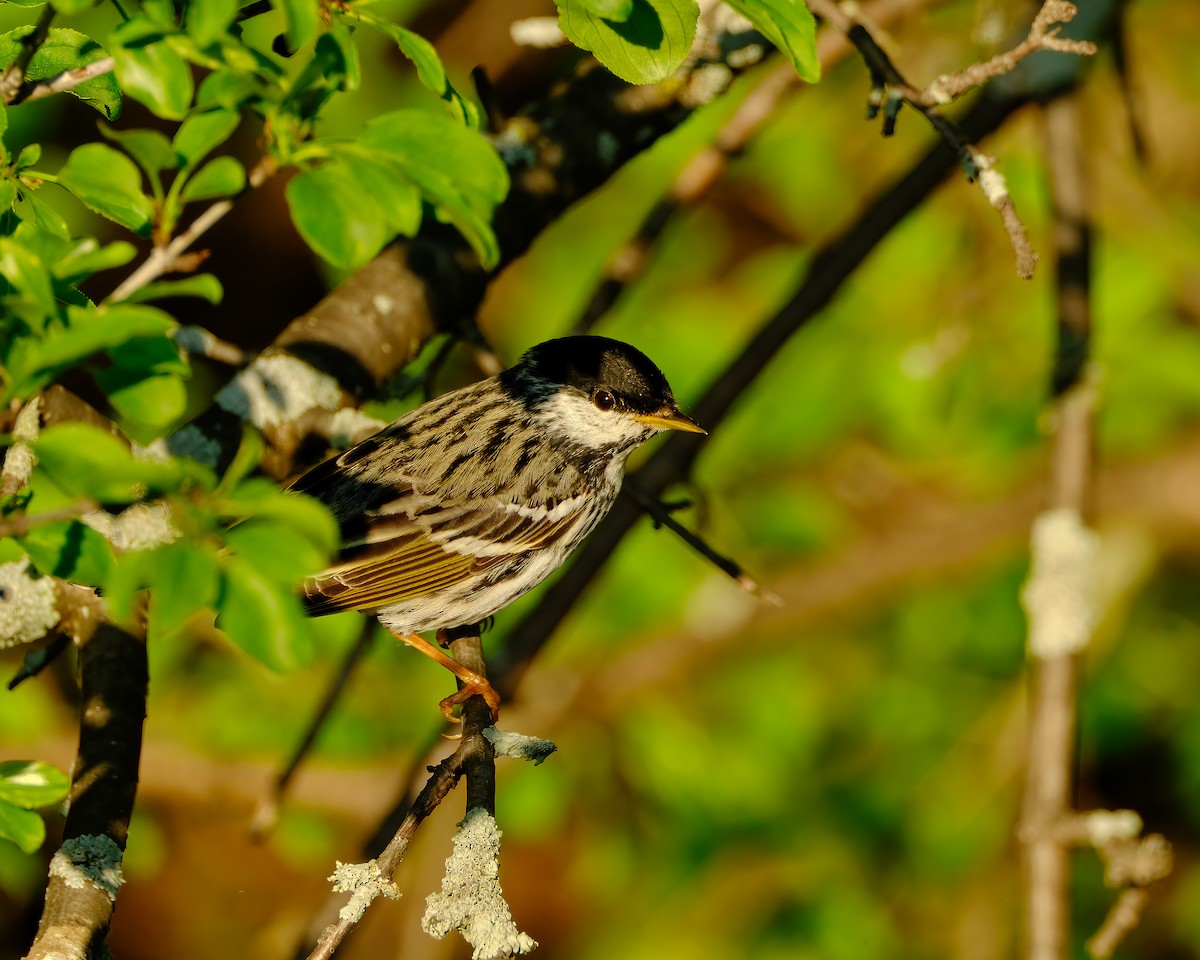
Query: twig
x=21, y=524
x=1043, y=35
x=267, y=813
x=164, y=259
x=706, y=167
x=1057, y=597
x=14, y=76
x=67, y=80
x=660, y=513
x=889, y=90
x=200, y=342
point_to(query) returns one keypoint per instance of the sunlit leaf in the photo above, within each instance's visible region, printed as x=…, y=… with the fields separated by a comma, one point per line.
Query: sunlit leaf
x=262, y=616
x=108, y=182
x=649, y=45
x=789, y=25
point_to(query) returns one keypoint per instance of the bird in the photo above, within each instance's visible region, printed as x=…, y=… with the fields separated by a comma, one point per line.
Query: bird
x=466, y=503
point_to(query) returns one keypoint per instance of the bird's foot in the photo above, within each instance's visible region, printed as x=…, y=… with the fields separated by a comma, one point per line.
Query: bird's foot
x=474, y=684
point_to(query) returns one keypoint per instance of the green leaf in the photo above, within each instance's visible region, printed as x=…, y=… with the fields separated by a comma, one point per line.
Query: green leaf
x=150, y=70
x=201, y=133
x=279, y=552
x=430, y=71
x=184, y=578
x=619, y=10
x=66, y=49
x=8, y=194
x=263, y=616
x=85, y=461
x=89, y=330
x=26, y=272
x=109, y=183
x=68, y=7
x=398, y=198
x=208, y=19
x=89, y=257
x=32, y=784
x=22, y=827
x=335, y=216
x=222, y=177
x=226, y=88
x=202, y=285
x=648, y=46
x=790, y=27
x=39, y=214
x=300, y=19
x=151, y=149
x=30, y=154
x=261, y=499
x=150, y=399
x=337, y=58
x=455, y=168
x=71, y=550
x=157, y=353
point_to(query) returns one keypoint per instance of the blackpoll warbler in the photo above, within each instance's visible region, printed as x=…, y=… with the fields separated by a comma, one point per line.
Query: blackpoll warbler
x=468, y=502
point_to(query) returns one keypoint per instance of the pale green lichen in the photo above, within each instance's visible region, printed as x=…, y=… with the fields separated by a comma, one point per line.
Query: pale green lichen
x=278, y=388
x=139, y=527
x=364, y=882
x=1060, y=595
x=519, y=746
x=471, y=900
x=91, y=859
x=28, y=604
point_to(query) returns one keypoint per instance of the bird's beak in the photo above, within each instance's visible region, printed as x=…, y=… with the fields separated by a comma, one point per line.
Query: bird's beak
x=670, y=420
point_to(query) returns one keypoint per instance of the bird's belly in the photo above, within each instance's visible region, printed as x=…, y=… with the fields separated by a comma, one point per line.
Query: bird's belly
x=473, y=600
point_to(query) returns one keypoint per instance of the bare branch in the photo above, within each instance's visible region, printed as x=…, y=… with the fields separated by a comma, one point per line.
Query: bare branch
x=14, y=76
x=67, y=80
x=1058, y=599
x=171, y=256
x=890, y=90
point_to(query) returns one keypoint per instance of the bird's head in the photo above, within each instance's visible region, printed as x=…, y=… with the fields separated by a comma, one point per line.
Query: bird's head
x=596, y=392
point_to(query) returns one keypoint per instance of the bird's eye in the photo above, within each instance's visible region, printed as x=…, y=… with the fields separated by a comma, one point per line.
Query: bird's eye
x=604, y=399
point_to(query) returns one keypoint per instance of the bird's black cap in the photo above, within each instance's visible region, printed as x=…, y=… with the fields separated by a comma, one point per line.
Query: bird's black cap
x=589, y=362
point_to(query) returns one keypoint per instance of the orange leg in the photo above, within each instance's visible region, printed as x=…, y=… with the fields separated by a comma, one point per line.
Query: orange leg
x=473, y=683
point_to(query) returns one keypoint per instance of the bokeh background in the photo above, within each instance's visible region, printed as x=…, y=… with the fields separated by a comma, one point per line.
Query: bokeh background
x=838, y=777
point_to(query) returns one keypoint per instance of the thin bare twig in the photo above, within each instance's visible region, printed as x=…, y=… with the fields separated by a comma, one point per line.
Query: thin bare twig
x=660, y=513
x=1057, y=598
x=21, y=524
x=67, y=80
x=164, y=259
x=890, y=90
x=14, y=76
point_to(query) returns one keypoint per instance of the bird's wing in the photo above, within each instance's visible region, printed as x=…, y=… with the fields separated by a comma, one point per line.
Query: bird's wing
x=412, y=546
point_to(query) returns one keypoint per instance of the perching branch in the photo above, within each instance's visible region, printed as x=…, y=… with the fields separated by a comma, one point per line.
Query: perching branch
x=474, y=758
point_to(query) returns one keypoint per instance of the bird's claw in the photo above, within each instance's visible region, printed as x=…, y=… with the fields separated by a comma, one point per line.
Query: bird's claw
x=476, y=687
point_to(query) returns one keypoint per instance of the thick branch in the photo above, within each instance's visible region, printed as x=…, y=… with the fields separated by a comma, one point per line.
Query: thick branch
x=85, y=873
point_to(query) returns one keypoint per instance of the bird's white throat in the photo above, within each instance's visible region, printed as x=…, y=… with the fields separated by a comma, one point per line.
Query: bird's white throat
x=571, y=415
